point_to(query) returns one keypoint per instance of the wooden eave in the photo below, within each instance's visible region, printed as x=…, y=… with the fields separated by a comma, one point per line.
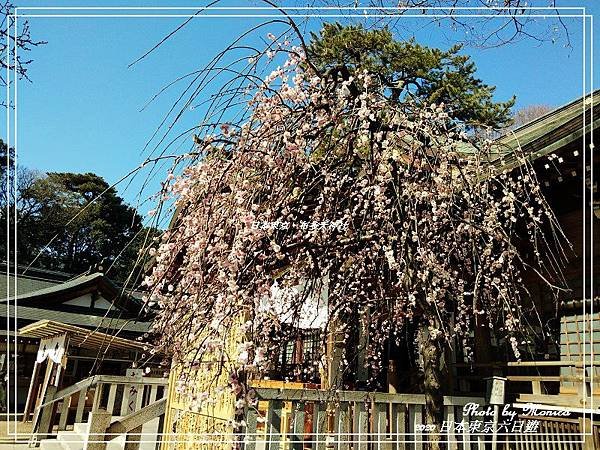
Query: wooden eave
x=553, y=131
x=79, y=337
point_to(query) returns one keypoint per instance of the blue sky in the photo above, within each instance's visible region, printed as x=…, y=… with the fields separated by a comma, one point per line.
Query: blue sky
x=81, y=113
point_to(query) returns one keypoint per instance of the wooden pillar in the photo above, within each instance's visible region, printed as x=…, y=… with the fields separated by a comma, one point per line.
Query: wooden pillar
x=33, y=386
x=42, y=392
x=46, y=415
x=586, y=427
x=168, y=421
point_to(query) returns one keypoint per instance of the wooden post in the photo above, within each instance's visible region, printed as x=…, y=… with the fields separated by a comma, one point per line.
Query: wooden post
x=112, y=394
x=47, y=414
x=42, y=392
x=57, y=375
x=380, y=412
x=273, y=424
x=251, y=431
x=139, y=388
x=418, y=420
x=400, y=425
x=451, y=441
x=31, y=393
x=131, y=397
x=169, y=418
x=585, y=427
x=80, y=405
x=361, y=424
x=495, y=395
x=64, y=413
x=99, y=422
x=343, y=425
x=98, y=397
x=319, y=414
x=495, y=429
x=297, y=437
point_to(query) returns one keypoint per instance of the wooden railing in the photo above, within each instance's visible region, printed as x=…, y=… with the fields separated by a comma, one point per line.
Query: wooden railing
x=578, y=397
x=318, y=419
x=541, y=382
x=113, y=395
x=104, y=429
x=302, y=418
x=558, y=433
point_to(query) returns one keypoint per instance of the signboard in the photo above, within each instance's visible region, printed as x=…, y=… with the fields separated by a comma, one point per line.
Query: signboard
x=496, y=390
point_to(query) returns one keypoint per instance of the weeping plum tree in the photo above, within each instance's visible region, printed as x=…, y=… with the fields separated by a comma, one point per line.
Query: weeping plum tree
x=391, y=206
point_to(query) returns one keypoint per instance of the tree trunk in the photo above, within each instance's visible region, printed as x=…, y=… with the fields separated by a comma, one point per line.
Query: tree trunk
x=434, y=370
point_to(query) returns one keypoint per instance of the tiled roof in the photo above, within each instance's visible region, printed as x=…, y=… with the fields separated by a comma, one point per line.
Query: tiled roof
x=96, y=282
x=84, y=320
x=551, y=131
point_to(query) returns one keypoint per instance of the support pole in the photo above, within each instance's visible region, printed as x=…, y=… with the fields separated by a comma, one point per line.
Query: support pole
x=33, y=384
x=46, y=415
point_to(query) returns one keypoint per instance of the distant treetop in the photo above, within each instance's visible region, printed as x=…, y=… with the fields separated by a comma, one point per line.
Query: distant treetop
x=408, y=69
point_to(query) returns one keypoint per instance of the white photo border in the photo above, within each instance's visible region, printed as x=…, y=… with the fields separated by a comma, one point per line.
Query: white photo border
x=270, y=12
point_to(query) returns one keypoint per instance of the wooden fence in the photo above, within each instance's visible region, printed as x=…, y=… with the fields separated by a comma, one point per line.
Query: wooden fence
x=302, y=419
x=318, y=419
x=554, y=433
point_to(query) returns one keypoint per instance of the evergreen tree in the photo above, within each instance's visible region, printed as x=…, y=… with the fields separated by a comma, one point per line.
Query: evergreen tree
x=410, y=71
